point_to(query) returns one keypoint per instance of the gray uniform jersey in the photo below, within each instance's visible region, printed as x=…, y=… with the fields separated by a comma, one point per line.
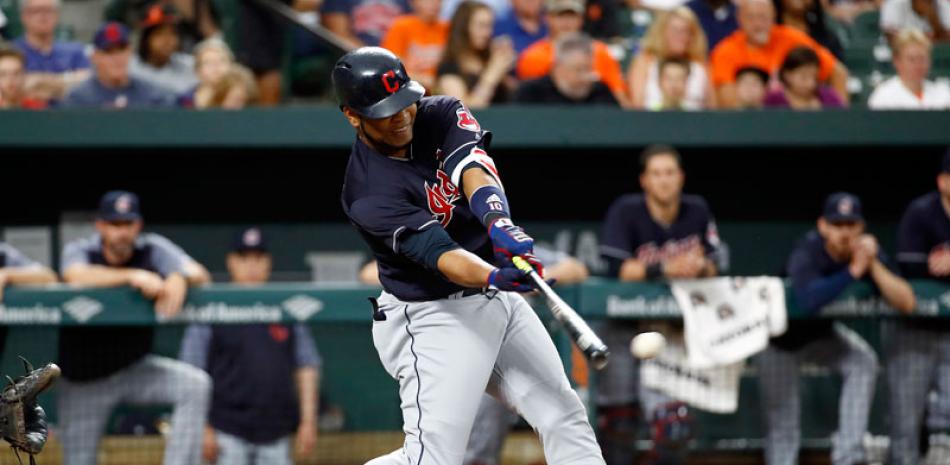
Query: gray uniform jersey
x=13, y=258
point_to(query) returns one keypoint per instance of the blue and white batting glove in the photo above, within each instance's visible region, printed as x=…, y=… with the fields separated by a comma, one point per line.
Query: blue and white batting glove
x=510, y=241
x=509, y=278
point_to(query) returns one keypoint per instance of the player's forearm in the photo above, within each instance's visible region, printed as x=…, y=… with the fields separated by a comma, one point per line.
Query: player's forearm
x=895, y=290
x=98, y=276
x=567, y=271
x=30, y=275
x=464, y=268
x=197, y=274
x=632, y=270
x=307, y=381
x=473, y=179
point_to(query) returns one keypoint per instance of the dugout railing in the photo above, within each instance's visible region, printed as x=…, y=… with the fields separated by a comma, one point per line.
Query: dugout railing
x=361, y=393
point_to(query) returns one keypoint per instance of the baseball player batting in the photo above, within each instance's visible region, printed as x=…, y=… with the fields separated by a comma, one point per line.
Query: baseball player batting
x=424, y=194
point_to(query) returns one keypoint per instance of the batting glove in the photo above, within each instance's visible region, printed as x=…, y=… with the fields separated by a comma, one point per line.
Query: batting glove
x=509, y=278
x=510, y=241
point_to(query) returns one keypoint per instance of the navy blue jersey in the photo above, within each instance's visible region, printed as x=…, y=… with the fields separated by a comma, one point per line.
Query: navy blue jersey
x=90, y=352
x=924, y=229
x=389, y=198
x=630, y=232
x=817, y=279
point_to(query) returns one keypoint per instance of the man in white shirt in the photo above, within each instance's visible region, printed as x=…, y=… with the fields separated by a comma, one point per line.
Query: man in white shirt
x=930, y=16
x=910, y=89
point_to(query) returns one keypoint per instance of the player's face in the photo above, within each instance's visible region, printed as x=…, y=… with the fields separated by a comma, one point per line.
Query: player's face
x=755, y=19
x=943, y=184
x=112, y=66
x=802, y=81
x=839, y=237
x=913, y=63
x=662, y=179
x=395, y=131
x=427, y=9
x=118, y=238
x=12, y=78
x=40, y=17
x=249, y=267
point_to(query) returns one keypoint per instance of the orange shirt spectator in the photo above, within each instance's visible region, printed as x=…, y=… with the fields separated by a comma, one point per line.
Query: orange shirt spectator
x=419, y=44
x=735, y=52
x=536, y=62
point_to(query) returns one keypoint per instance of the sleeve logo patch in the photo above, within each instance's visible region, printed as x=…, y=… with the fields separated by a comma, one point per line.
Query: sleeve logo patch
x=466, y=121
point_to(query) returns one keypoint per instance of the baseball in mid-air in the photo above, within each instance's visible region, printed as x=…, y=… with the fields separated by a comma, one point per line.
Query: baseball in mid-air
x=647, y=345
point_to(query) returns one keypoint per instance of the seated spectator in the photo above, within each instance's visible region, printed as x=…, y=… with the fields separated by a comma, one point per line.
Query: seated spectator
x=198, y=19
x=112, y=86
x=361, y=22
x=418, y=40
x=53, y=67
x=236, y=90
x=930, y=16
x=761, y=43
x=910, y=89
x=674, y=76
x=751, y=86
x=243, y=426
x=718, y=18
x=474, y=68
x=676, y=34
x=13, y=79
x=800, y=89
x=808, y=16
x=104, y=366
x=565, y=17
x=523, y=24
x=213, y=59
x=159, y=60
x=572, y=79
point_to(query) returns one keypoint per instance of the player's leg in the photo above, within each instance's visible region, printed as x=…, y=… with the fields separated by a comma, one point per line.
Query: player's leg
x=442, y=353
x=670, y=426
x=273, y=453
x=857, y=363
x=155, y=380
x=529, y=376
x=617, y=411
x=492, y=423
x=938, y=409
x=233, y=450
x=781, y=405
x=909, y=363
x=83, y=410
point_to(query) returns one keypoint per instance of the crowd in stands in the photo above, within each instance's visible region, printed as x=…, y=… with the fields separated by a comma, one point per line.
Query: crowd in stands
x=649, y=54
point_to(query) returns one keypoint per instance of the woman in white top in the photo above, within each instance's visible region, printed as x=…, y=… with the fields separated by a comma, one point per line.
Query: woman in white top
x=910, y=89
x=674, y=34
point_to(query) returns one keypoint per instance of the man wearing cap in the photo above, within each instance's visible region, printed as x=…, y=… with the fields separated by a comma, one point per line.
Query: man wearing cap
x=112, y=86
x=821, y=268
x=104, y=366
x=52, y=66
x=918, y=349
x=565, y=17
x=265, y=376
x=158, y=59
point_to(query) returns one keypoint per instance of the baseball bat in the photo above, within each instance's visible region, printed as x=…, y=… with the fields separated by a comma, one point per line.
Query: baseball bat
x=584, y=337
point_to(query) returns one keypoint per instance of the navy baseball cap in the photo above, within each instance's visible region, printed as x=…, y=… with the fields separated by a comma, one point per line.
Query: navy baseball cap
x=111, y=36
x=249, y=240
x=843, y=207
x=119, y=206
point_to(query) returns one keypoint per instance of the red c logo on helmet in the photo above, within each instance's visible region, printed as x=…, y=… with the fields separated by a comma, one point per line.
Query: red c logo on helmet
x=390, y=82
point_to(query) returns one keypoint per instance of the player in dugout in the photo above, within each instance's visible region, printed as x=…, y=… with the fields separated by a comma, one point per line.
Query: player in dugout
x=660, y=234
x=265, y=376
x=821, y=267
x=104, y=366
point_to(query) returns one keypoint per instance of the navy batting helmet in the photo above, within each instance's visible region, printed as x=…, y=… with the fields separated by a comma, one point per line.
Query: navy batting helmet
x=373, y=82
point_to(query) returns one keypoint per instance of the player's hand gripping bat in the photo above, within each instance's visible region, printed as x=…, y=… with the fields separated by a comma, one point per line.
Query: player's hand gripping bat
x=22, y=421
x=585, y=339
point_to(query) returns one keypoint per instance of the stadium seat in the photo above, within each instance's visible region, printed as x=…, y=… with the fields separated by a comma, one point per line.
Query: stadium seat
x=866, y=29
